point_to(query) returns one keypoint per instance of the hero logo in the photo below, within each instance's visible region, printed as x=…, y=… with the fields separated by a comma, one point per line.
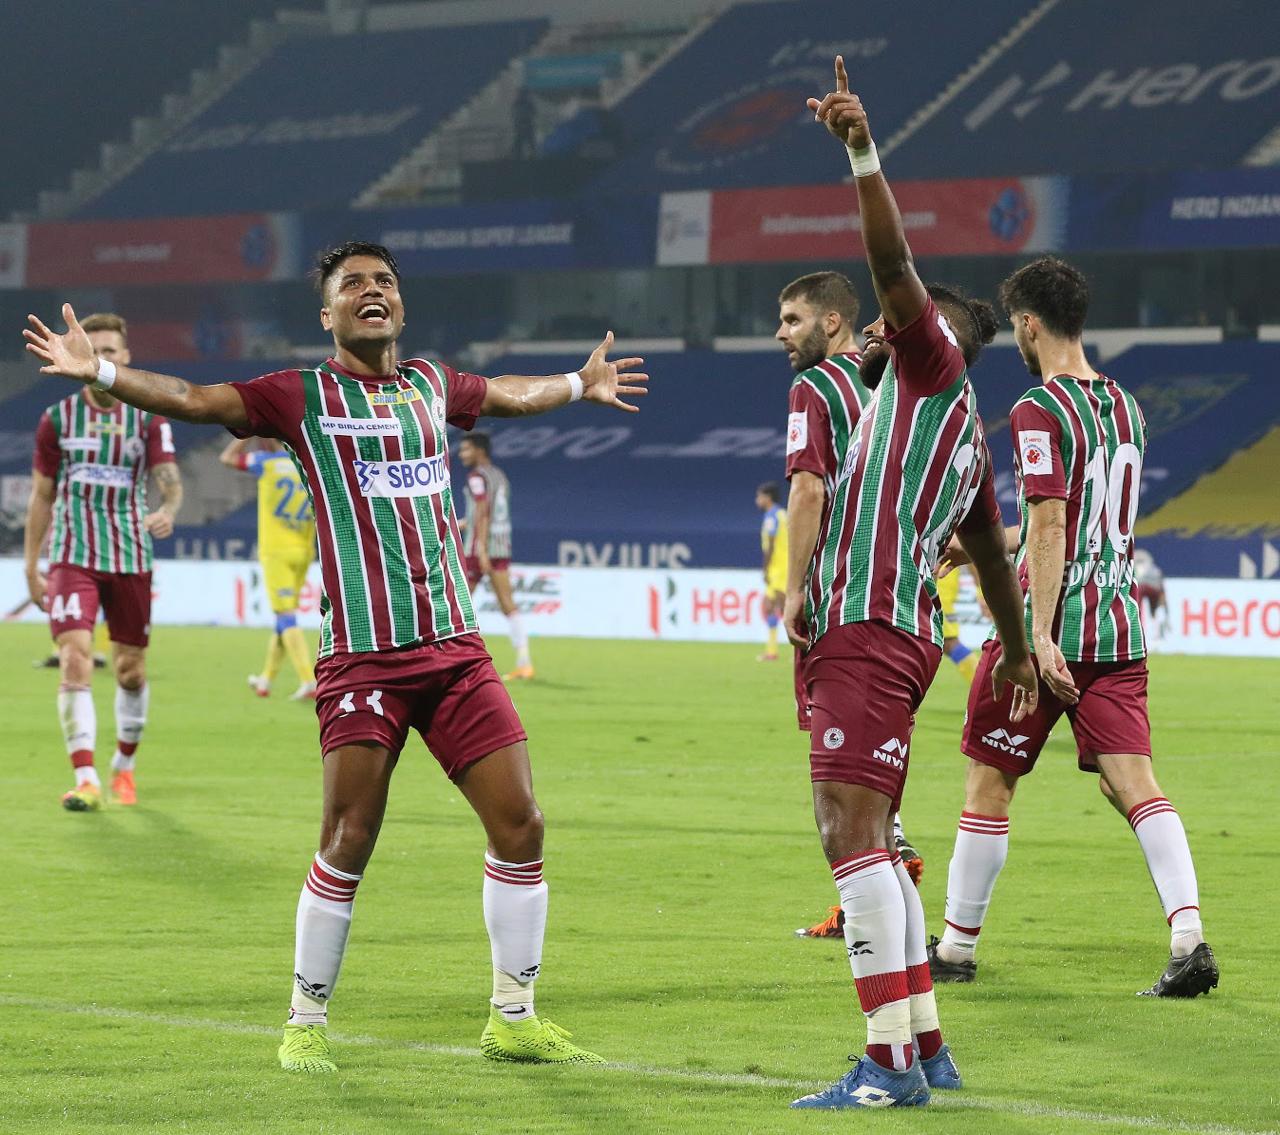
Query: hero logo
x=797, y=432
x=892, y=752
x=833, y=738
x=1036, y=452
x=1006, y=742
x=428, y=476
x=1234, y=80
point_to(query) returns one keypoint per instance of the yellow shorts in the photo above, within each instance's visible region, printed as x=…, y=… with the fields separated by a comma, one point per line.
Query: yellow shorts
x=284, y=573
x=948, y=592
x=775, y=583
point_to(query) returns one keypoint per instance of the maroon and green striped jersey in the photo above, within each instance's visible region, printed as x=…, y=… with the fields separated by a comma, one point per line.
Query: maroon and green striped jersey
x=489, y=484
x=899, y=479
x=374, y=457
x=1083, y=442
x=99, y=461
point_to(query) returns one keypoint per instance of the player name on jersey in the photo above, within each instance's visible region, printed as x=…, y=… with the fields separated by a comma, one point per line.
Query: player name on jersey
x=1083, y=443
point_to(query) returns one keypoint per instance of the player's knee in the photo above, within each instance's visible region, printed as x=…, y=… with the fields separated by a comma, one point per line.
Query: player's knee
x=518, y=837
x=131, y=672
x=75, y=663
x=348, y=838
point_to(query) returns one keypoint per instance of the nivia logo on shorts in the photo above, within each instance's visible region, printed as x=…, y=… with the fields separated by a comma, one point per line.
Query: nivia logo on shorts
x=427, y=476
x=892, y=752
x=1007, y=742
x=833, y=738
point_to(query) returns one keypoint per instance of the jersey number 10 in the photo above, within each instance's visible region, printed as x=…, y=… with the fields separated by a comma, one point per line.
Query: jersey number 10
x=1107, y=503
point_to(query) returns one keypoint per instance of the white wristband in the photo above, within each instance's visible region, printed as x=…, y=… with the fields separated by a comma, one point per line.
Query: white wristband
x=864, y=162
x=106, y=375
x=575, y=385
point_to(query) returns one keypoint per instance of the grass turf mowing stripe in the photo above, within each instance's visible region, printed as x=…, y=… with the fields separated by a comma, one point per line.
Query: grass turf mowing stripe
x=945, y=1100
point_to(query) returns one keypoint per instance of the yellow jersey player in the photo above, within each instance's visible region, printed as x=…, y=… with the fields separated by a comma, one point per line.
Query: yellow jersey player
x=966, y=660
x=773, y=545
x=286, y=547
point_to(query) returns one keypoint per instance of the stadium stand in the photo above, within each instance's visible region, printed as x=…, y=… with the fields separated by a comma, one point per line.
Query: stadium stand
x=728, y=109
x=269, y=141
x=1092, y=70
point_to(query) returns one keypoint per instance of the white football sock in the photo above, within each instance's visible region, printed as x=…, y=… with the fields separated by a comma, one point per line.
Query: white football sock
x=324, y=921
x=131, y=719
x=924, y=1008
x=79, y=722
x=982, y=846
x=515, y=914
x=519, y=638
x=1163, y=839
x=875, y=929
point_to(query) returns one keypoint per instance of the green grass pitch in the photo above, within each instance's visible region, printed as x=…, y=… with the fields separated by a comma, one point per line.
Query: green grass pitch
x=145, y=955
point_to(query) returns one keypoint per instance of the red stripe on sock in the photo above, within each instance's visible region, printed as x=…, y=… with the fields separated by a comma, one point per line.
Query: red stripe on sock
x=881, y=989
x=980, y=816
x=126, y=748
x=1180, y=909
x=1148, y=808
x=512, y=880
x=918, y=979
x=82, y=758
x=972, y=931
x=851, y=864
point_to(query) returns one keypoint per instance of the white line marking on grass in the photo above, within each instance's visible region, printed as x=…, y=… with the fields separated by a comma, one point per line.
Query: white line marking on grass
x=943, y=1100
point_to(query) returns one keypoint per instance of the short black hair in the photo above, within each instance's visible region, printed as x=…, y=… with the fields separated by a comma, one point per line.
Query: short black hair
x=1052, y=290
x=480, y=440
x=830, y=291
x=329, y=261
x=978, y=325
x=772, y=490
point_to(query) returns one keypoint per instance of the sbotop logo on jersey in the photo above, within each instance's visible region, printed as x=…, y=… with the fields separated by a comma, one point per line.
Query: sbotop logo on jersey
x=110, y=476
x=427, y=476
x=1005, y=742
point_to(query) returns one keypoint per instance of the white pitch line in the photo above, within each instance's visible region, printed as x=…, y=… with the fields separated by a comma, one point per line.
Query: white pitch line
x=944, y=1100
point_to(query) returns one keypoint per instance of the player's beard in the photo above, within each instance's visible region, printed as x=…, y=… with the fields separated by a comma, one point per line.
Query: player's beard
x=810, y=350
x=871, y=369
x=1033, y=363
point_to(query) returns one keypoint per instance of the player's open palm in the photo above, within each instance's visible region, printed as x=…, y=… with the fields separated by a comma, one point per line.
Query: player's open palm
x=70, y=354
x=604, y=381
x=841, y=112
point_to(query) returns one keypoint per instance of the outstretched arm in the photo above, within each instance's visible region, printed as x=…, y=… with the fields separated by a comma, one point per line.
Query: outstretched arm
x=901, y=294
x=233, y=452
x=71, y=355
x=518, y=395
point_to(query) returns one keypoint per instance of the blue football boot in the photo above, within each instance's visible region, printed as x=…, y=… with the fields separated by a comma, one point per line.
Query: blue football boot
x=869, y=1085
x=940, y=1070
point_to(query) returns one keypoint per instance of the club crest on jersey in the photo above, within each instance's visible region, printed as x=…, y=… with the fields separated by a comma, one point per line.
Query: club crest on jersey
x=438, y=412
x=395, y=397
x=134, y=447
x=833, y=738
x=426, y=476
x=1036, y=452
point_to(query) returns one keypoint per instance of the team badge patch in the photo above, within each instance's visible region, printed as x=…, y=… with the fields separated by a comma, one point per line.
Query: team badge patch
x=1036, y=452
x=438, y=411
x=833, y=738
x=797, y=431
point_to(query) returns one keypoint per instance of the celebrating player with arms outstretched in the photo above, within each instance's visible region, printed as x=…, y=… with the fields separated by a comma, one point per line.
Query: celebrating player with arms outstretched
x=398, y=642
x=871, y=509
x=1079, y=439
x=90, y=481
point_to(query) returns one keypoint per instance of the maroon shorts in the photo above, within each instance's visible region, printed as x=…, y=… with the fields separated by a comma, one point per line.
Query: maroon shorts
x=804, y=711
x=865, y=682
x=1110, y=717
x=475, y=575
x=75, y=593
x=448, y=691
